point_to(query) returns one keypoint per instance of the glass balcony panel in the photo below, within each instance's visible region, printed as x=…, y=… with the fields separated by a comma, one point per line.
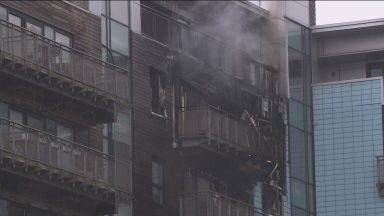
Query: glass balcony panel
x=210, y=203
x=26, y=144
x=62, y=61
x=214, y=124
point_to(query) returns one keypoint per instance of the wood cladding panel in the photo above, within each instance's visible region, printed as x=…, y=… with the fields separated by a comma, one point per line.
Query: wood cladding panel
x=152, y=135
x=84, y=26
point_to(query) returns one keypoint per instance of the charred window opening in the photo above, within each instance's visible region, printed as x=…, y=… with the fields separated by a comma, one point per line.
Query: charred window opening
x=157, y=79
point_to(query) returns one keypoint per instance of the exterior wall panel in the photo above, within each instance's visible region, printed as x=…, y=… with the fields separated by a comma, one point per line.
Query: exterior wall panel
x=348, y=137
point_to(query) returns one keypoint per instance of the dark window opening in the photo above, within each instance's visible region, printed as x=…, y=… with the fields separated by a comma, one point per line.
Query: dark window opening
x=375, y=69
x=157, y=80
x=157, y=182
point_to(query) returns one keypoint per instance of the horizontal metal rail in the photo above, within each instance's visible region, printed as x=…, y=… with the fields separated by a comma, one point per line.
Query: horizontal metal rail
x=63, y=62
x=34, y=147
x=214, y=204
x=215, y=124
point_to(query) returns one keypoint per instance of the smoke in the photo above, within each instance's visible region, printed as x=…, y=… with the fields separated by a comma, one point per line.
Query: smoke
x=231, y=23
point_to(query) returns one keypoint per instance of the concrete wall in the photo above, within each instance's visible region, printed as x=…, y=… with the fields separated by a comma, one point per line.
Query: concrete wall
x=337, y=71
x=350, y=42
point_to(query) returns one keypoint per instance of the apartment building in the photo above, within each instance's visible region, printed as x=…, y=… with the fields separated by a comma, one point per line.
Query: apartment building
x=156, y=108
x=348, y=124
x=65, y=143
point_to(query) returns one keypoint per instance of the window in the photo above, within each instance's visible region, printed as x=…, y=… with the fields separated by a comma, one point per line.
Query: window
x=375, y=69
x=157, y=80
x=35, y=26
x=14, y=19
x=119, y=38
x=157, y=182
x=114, y=31
x=3, y=13
x=119, y=11
x=65, y=132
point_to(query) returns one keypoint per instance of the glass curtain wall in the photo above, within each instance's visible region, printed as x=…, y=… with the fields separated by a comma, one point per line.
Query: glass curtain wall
x=115, y=43
x=300, y=121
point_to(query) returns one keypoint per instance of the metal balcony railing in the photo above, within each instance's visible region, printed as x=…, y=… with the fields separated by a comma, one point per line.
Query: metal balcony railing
x=31, y=147
x=64, y=63
x=216, y=125
x=215, y=204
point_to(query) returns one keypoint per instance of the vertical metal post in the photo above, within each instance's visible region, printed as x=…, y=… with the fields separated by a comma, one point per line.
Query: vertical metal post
x=13, y=137
x=210, y=197
x=61, y=149
x=94, y=76
x=49, y=150
x=12, y=41
x=1, y=36
x=49, y=56
x=95, y=167
x=103, y=75
x=229, y=206
x=194, y=204
x=34, y=47
x=82, y=70
x=209, y=125
x=60, y=59
x=38, y=146
x=115, y=84
x=220, y=206
x=217, y=119
x=73, y=158
x=227, y=136
x=72, y=64
x=181, y=206
x=25, y=141
x=85, y=163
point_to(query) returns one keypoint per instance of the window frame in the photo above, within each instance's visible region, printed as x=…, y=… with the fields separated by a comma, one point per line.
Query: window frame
x=160, y=186
x=158, y=81
x=371, y=65
x=26, y=18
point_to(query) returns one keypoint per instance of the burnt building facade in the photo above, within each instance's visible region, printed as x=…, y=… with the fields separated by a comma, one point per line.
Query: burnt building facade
x=175, y=108
x=207, y=115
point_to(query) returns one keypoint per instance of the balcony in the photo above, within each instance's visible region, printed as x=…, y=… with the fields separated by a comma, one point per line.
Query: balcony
x=214, y=204
x=380, y=174
x=38, y=60
x=202, y=57
x=46, y=157
x=216, y=129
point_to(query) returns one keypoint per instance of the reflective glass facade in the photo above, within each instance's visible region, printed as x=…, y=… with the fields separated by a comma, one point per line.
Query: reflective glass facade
x=300, y=160
x=115, y=43
x=348, y=137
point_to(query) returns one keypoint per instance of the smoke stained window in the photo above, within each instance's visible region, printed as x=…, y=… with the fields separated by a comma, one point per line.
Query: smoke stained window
x=157, y=81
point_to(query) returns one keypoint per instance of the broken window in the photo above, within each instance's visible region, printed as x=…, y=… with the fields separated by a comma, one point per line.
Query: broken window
x=157, y=80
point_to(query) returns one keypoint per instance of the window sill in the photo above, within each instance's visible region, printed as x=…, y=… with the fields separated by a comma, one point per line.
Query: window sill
x=159, y=115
